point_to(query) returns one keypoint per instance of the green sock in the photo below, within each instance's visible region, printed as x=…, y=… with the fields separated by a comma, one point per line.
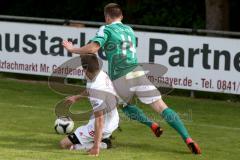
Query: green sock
x=174, y=121
x=135, y=113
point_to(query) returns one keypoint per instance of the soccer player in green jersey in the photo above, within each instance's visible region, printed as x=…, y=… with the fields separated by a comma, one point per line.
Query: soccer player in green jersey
x=119, y=43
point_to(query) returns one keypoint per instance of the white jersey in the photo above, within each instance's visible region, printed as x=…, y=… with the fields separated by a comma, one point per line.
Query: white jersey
x=104, y=87
x=102, y=96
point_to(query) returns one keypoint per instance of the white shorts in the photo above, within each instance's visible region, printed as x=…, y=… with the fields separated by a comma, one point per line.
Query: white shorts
x=85, y=134
x=136, y=83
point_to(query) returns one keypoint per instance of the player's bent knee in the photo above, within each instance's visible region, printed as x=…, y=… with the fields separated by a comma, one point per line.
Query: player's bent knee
x=63, y=145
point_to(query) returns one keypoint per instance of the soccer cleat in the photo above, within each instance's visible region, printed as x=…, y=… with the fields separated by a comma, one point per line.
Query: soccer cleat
x=193, y=146
x=108, y=142
x=157, y=130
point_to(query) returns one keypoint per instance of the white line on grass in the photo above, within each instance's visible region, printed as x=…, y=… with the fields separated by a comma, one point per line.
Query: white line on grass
x=24, y=106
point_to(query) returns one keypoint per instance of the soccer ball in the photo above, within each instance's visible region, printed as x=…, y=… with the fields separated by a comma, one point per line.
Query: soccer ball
x=64, y=125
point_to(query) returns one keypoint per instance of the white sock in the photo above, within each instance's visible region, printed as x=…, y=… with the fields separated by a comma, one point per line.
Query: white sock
x=87, y=146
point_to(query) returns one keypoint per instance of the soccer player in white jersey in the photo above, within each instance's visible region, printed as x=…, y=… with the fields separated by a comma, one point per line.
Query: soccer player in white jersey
x=105, y=119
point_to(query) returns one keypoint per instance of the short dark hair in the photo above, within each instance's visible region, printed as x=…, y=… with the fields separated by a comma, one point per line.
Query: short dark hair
x=113, y=10
x=90, y=63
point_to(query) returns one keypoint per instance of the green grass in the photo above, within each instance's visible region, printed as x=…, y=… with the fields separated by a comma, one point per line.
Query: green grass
x=27, y=117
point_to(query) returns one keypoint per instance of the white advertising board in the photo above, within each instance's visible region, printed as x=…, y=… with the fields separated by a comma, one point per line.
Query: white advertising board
x=193, y=62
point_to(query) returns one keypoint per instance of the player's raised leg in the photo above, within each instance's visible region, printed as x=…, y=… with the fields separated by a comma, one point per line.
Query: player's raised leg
x=172, y=118
x=149, y=94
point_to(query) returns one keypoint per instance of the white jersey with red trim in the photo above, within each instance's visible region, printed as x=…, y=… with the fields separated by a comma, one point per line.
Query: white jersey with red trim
x=100, y=89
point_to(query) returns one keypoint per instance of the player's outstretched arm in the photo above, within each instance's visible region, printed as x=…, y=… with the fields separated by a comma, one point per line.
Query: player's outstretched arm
x=91, y=47
x=73, y=99
x=99, y=122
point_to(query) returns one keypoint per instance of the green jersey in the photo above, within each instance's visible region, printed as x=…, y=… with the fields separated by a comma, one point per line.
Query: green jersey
x=119, y=43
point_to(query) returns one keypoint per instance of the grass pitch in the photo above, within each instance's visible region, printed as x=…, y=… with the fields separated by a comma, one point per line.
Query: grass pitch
x=27, y=131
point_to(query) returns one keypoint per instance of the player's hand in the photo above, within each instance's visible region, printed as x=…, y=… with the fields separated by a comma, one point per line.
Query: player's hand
x=68, y=45
x=94, y=151
x=71, y=99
